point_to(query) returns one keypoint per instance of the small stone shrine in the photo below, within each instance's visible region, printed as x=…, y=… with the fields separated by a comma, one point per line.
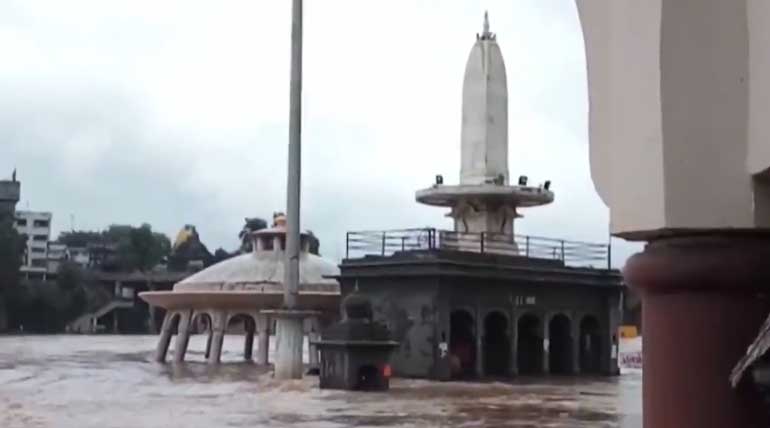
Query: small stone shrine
x=355, y=352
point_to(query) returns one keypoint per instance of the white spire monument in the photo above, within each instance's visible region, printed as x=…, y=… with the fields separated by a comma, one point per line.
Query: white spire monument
x=484, y=202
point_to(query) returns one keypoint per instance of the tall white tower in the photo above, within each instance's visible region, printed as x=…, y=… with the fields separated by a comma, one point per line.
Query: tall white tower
x=484, y=202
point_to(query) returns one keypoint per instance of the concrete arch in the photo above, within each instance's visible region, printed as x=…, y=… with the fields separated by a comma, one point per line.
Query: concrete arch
x=529, y=343
x=590, y=344
x=462, y=342
x=496, y=343
x=249, y=327
x=202, y=321
x=560, y=344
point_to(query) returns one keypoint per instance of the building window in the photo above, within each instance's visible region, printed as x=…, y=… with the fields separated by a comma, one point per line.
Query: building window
x=40, y=223
x=39, y=263
x=38, y=250
x=21, y=222
x=40, y=238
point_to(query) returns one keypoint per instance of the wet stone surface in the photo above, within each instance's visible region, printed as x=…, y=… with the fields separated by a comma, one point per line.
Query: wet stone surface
x=111, y=381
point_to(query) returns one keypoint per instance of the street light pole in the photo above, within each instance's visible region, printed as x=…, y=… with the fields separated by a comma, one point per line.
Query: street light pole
x=291, y=270
x=289, y=321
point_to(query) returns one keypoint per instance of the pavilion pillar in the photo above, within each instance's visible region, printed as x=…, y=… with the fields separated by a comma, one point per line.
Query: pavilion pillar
x=165, y=338
x=703, y=300
x=182, y=336
x=312, y=335
x=209, y=333
x=218, y=326
x=248, y=344
x=263, y=339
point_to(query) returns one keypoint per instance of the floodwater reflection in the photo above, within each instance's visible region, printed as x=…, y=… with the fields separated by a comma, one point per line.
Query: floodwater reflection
x=111, y=381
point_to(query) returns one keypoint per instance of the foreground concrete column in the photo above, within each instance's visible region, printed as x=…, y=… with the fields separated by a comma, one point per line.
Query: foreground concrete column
x=165, y=338
x=218, y=326
x=703, y=300
x=182, y=336
x=288, y=358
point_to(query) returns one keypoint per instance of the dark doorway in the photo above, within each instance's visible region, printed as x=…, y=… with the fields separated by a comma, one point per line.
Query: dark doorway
x=497, y=346
x=560, y=345
x=590, y=345
x=462, y=343
x=529, y=354
x=369, y=379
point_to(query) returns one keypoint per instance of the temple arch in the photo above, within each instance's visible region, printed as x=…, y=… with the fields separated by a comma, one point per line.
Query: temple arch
x=560, y=345
x=462, y=343
x=529, y=350
x=496, y=344
x=590, y=345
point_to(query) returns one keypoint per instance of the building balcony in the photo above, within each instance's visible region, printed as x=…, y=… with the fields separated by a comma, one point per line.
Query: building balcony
x=388, y=242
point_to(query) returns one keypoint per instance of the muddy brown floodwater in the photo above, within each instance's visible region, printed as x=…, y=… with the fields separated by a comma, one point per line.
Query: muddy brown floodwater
x=111, y=381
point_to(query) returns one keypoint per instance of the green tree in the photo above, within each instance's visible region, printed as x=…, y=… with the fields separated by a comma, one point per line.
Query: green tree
x=137, y=248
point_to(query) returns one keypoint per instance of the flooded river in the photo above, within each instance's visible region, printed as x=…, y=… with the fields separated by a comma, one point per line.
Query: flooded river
x=111, y=381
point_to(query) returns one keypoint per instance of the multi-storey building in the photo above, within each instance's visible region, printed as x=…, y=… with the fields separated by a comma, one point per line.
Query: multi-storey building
x=36, y=226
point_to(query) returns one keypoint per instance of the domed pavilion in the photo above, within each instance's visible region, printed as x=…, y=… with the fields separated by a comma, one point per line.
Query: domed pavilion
x=242, y=291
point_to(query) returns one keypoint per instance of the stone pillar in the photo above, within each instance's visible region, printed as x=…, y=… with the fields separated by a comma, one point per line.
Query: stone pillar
x=182, y=336
x=479, y=342
x=514, y=344
x=115, y=327
x=165, y=338
x=703, y=300
x=218, y=326
x=546, y=342
x=575, y=332
x=263, y=345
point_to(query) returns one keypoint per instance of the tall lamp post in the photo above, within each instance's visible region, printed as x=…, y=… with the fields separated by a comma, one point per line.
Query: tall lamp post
x=289, y=334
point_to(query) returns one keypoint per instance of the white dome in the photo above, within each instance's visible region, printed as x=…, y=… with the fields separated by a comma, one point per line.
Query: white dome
x=262, y=270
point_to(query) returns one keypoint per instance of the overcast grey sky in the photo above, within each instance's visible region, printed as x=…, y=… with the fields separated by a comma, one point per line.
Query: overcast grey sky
x=176, y=112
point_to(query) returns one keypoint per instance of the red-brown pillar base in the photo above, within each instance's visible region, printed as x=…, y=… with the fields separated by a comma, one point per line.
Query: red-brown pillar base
x=703, y=300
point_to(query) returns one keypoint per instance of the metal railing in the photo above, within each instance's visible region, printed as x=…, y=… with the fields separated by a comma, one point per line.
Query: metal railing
x=388, y=242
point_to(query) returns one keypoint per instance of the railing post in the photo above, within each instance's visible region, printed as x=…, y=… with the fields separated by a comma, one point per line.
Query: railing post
x=347, y=245
x=562, y=250
x=383, y=242
x=527, y=247
x=482, y=242
x=609, y=256
x=403, y=243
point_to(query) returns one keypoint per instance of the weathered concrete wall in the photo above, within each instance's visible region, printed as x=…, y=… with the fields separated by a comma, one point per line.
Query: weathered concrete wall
x=408, y=307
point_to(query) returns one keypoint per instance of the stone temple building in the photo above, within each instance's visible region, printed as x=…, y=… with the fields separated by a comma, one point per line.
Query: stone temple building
x=480, y=300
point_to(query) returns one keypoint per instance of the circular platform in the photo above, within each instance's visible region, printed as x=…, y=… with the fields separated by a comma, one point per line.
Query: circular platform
x=520, y=196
